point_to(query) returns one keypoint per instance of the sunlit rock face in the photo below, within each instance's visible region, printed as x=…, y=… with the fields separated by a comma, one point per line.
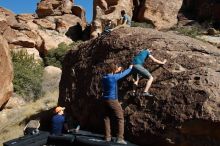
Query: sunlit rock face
x=162, y=14
x=54, y=7
x=186, y=103
x=28, y=31
x=6, y=71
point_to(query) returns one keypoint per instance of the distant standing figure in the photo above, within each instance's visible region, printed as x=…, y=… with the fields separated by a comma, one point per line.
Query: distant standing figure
x=126, y=20
x=138, y=62
x=58, y=121
x=111, y=103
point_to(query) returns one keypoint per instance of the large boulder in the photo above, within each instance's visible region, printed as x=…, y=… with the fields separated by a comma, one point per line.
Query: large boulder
x=80, y=12
x=28, y=20
x=8, y=16
x=51, y=79
x=7, y=19
x=54, y=7
x=51, y=39
x=45, y=24
x=6, y=87
x=161, y=13
x=187, y=96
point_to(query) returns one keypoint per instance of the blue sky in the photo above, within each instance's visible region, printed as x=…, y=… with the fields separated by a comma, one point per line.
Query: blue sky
x=29, y=6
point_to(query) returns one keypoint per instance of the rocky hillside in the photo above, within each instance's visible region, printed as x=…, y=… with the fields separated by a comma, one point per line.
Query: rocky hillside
x=54, y=22
x=186, y=89
x=6, y=72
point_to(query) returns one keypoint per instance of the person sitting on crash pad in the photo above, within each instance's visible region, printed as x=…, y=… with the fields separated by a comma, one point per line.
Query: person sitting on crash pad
x=138, y=69
x=59, y=124
x=110, y=99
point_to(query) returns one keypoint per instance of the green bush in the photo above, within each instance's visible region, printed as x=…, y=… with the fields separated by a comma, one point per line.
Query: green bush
x=27, y=75
x=141, y=24
x=55, y=57
x=190, y=31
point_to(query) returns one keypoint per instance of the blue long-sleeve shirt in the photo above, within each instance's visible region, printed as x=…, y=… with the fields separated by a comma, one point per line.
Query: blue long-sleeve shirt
x=141, y=56
x=110, y=86
x=57, y=124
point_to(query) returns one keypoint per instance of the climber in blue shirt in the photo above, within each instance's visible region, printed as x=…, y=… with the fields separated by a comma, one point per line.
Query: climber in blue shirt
x=111, y=103
x=58, y=121
x=110, y=87
x=138, y=62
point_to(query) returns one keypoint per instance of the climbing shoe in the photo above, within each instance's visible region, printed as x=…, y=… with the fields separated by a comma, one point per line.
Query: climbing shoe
x=132, y=93
x=121, y=141
x=147, y=94
x=108, y=139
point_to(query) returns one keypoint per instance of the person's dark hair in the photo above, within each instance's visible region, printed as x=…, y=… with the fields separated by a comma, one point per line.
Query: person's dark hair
x=108, y=22
x=122, y=12
x=110, y=67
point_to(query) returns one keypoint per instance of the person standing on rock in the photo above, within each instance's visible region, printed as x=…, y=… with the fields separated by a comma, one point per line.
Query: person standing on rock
x=138, y=69
x=111, y=103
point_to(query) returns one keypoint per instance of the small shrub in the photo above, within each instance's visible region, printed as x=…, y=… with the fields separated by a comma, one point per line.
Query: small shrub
x=141, y=24
x=56, y=56
x=192, y=31
x=27, y=75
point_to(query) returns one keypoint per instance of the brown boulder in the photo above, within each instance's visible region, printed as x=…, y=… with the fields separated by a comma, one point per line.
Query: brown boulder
x=20, y=26
x=54, y=7
x=3, y=25
x=186, y=103
x=67, y=6
x=9, y=16
x=161, y=13
x=44, y=23
x=7, y=19
x=25, y=17
x=44, y=8
x=51, y=79
x=51, y=39
x=23, y=41
x=80, y=12
x=10, y=34
x=6, y=70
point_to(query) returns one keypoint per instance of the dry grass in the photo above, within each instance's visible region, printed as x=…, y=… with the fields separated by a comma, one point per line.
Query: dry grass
x=11, y=133
x=13, y=120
